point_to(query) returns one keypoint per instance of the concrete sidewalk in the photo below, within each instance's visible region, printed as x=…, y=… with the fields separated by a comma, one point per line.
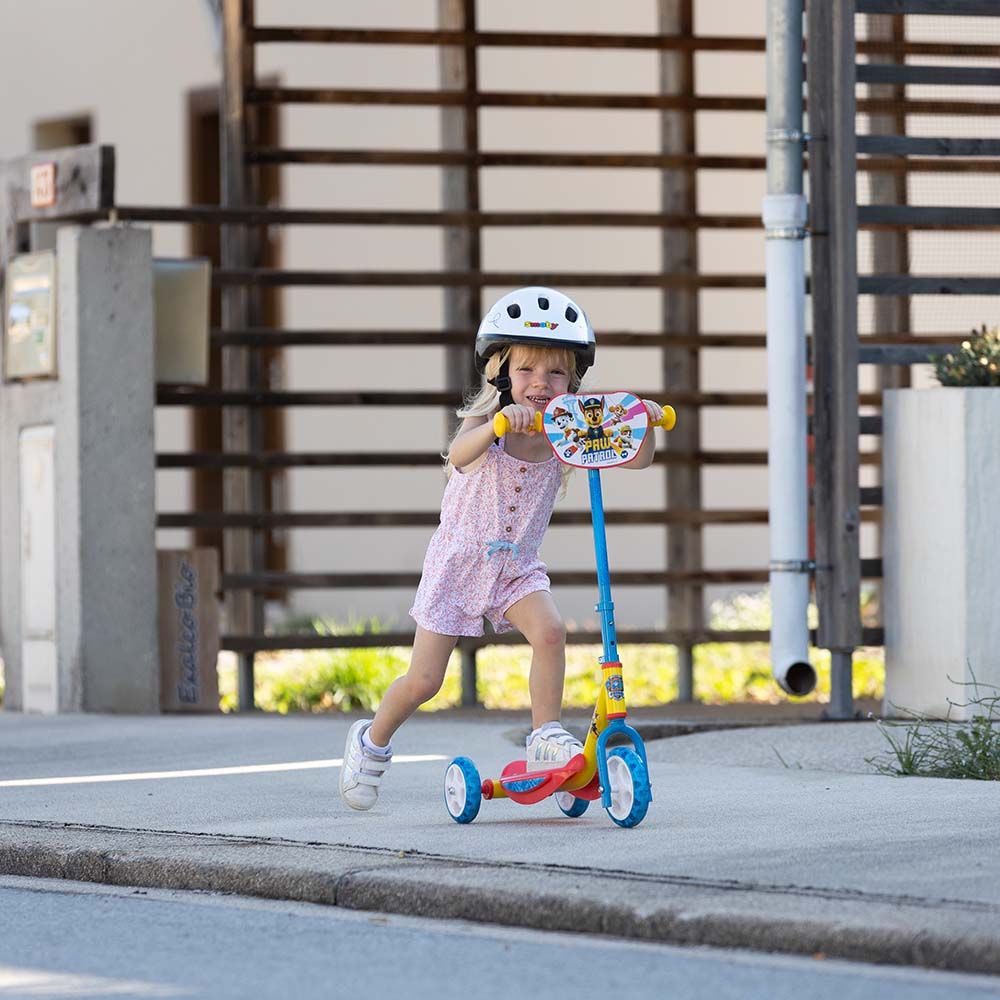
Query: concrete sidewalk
x=776, y=837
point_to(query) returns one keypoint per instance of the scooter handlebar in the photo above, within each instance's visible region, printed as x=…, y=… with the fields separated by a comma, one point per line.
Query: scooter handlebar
x=501, y=425
x=668, y=421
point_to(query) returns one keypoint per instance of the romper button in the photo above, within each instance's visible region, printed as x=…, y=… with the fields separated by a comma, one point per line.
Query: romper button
x=517, y=489
x=523, y=469
x=512, y=508
x=508, y=527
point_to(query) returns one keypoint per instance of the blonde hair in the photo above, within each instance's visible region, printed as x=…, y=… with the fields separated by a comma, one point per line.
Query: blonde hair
x=484, y=400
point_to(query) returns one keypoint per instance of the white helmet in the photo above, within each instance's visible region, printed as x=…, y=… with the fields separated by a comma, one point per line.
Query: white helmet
x=541, y=317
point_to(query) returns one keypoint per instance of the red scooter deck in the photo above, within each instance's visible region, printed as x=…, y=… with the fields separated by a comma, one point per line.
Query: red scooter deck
x=528, y=787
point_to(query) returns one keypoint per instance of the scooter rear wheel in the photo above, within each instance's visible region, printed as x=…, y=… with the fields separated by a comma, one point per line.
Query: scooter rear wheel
x=463, y=793
x=570, y=805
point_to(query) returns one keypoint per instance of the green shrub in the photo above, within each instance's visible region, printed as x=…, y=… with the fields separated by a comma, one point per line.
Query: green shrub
x=976, y=362
x=357, y=679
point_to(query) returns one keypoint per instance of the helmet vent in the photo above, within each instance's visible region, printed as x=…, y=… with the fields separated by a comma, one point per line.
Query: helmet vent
x=571, y=314
x=543, y=303
x=514, y=310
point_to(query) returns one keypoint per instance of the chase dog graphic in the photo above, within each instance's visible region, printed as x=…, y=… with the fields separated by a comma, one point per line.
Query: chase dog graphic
x=595, y=431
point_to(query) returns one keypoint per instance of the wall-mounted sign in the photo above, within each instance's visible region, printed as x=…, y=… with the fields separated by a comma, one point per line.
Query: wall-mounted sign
x=43, y=185
x=181, y=290
x=29, y=341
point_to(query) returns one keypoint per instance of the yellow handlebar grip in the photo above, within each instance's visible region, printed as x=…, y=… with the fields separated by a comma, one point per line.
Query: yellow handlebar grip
x=501, y=425
x=669, y=420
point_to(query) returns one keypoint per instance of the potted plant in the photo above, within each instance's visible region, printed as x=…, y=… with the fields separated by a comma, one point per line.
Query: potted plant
x=941, y=532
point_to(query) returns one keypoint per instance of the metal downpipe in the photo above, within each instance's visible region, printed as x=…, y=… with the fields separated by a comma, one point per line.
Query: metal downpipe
x=784, y=215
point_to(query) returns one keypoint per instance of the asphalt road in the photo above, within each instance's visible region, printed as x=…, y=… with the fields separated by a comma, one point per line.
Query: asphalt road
x=60, y=939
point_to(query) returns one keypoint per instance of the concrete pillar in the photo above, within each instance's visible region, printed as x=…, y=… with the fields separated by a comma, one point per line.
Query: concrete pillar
x=91, y=643
x=941, y=538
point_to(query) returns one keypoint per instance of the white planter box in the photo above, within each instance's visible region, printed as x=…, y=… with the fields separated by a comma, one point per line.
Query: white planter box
x=941, y=546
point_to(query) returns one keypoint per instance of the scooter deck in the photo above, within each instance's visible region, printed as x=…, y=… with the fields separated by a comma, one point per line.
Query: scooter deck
x=529, y=787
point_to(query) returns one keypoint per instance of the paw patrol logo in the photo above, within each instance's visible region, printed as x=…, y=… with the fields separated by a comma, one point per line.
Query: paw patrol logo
x=615, y=687
x=593, y=431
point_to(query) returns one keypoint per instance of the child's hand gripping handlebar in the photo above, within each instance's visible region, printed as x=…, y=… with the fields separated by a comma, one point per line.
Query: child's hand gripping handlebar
x=501, y=425
x=668, y=421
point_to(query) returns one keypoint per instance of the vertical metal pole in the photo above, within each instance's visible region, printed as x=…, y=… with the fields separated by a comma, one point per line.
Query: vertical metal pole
x=835, y=336
x=469, y=694
x=237, y=485
x=460, y=192
x=680, y=317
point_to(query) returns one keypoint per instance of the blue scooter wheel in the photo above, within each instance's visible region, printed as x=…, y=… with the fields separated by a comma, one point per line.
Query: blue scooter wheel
x=570, y=805
x=463, y=792
x=630, y=790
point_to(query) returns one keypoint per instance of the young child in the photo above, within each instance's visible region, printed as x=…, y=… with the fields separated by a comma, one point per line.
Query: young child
x=533, y=345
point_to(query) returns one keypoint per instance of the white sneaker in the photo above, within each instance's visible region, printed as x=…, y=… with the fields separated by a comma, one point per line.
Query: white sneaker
x=362, y=770
x=551, y=747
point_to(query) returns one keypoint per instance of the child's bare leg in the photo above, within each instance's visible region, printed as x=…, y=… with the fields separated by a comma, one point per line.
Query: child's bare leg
x=538, y=620
x=420, y=683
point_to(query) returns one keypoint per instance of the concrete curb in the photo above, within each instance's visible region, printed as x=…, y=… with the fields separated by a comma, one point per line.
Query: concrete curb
x=902, y=930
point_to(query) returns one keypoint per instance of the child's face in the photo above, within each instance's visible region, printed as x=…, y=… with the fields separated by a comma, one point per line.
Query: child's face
x=537, y=377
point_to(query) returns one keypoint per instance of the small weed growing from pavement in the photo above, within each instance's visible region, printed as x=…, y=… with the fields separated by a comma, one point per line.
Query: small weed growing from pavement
x=949, y=748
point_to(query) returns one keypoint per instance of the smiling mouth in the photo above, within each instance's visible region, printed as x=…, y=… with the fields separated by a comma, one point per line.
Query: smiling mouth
x=538, y=400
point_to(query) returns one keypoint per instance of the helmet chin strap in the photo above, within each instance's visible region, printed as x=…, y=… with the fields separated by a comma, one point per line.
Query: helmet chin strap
x=503, y=384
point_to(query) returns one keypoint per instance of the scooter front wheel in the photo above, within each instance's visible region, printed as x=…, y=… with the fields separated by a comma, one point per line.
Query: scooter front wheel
x=630, y=790
x=463, y=793
x=570, y=804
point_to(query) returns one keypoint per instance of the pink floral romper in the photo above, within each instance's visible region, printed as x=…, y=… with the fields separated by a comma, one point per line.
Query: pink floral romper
x=484, y=556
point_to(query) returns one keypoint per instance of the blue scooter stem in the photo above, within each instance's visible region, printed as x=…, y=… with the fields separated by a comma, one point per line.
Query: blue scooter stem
x=605, y=606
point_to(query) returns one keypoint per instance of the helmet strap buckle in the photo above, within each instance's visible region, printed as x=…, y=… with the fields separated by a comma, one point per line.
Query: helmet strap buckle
x=503, y=384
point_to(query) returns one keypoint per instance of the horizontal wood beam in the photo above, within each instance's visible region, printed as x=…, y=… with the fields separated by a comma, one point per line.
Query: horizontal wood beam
x=622, y=102
x=879, y=73
x=901, y=354
x=167, y=396
x=565, y=578
x=870, y=569
x=975, y=8
x=425, y=158
x=420, y=518
x=507, y=39
x=498, y=99
x=398, y=217
x=265, y=277
x=928, y=217
x=906, y=145
x=415, y=519
x=369, y=640
x=267, y=337
x=448, y=158
x=911, y=284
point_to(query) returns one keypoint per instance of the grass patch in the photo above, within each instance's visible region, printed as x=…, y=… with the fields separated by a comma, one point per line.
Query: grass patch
x=924, y=747
x=357, y=679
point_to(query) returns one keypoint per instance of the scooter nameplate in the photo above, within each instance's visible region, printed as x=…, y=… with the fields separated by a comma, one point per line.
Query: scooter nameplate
x=595, y=430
